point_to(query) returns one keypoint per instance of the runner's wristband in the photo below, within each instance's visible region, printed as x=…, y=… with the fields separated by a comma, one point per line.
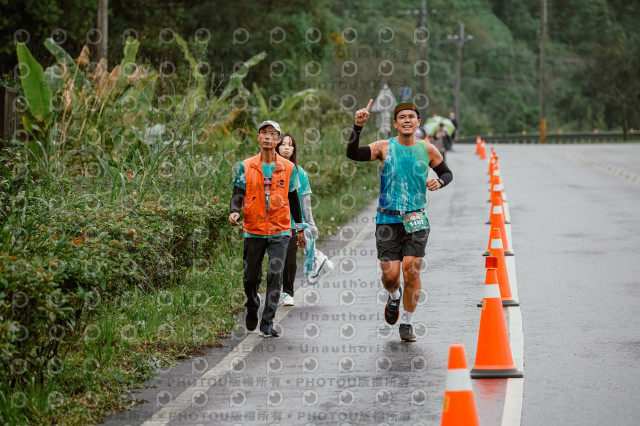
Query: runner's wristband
x=444, y=173
x=354, y=151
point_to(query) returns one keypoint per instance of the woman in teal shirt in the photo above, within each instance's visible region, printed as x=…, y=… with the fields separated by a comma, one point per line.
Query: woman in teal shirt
x=287, y=148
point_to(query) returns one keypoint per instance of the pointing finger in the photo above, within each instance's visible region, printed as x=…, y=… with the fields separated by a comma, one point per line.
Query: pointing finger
x=369, y=106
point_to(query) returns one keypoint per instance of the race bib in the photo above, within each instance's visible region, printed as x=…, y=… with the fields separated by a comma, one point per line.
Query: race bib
x=415, y=221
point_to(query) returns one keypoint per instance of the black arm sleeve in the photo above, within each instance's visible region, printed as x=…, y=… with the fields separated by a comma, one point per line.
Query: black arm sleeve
x=294, y=205
x=355, y=152
x=235, y=205
x=443, y=172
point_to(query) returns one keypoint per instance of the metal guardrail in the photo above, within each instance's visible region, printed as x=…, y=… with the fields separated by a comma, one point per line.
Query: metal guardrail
x=558, y=138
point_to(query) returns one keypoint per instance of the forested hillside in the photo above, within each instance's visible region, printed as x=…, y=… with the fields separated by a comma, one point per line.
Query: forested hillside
x=592, y=50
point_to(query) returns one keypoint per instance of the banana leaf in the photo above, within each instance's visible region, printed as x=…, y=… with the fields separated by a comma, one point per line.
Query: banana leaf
x=291, y=101
x=65, y=60
x=262, y=109
x=201, y=81
x=128, y=63
x=235, y=81
x=34, y=85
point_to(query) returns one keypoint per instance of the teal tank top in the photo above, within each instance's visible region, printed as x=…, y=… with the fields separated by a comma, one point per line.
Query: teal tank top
x=403, y=180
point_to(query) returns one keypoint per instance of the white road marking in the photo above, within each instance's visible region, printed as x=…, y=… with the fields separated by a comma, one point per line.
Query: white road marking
x=507, y=215
x=512, y=411
x=606, y=167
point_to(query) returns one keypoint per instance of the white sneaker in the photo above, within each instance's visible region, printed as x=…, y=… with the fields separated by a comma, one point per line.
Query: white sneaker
x=287, y=300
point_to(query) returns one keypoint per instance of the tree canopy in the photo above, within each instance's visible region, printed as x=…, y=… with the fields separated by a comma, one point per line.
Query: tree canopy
x=353, y=48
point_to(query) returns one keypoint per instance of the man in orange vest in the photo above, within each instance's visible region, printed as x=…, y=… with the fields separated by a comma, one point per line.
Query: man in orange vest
x=265, y=191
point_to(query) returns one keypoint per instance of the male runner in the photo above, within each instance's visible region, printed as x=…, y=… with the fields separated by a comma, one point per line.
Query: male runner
x=402, y=226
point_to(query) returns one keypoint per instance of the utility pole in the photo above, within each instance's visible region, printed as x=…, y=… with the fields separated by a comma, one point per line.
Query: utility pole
x=103, y=28
x=462, y=39
x=543, y=61
x=423, y=24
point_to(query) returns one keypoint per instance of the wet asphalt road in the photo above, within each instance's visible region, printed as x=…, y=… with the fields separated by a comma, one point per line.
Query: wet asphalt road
x=575, y=223
x=577, y=234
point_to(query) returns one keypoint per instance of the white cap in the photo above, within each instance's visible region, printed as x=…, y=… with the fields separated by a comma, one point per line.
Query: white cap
x=270, y=123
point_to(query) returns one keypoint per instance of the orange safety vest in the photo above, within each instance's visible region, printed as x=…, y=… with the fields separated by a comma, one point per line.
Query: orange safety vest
x=255, y=218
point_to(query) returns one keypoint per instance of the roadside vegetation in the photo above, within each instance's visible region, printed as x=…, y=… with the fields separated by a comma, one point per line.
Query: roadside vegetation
x=116, y=256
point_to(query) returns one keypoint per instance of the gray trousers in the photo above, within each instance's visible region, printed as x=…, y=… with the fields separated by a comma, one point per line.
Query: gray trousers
x=254, y=250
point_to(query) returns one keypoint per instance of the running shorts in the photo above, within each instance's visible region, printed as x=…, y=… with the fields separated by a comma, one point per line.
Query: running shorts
x=394, y=243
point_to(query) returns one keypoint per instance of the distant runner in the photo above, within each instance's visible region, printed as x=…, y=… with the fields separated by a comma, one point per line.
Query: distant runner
x=402, y=226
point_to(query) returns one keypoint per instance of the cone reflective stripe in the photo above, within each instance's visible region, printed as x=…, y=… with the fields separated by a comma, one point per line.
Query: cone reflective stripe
x=501, y=271
x=491, y=291
x=459, y=406
x=495, y=243
x=493, y=352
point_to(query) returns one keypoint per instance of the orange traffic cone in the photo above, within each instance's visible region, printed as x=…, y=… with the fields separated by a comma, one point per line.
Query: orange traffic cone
x=493, y=353
x=459, y=406
x=503, y=274
x=497, y=191
x=494, y=173
x=496, y=184
x=497, y=203
x=482, y=151
x=497, y=221
x=478, y=140
x=492, y=163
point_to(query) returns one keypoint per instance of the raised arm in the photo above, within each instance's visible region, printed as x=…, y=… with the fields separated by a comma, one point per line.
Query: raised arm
x=354, y=150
